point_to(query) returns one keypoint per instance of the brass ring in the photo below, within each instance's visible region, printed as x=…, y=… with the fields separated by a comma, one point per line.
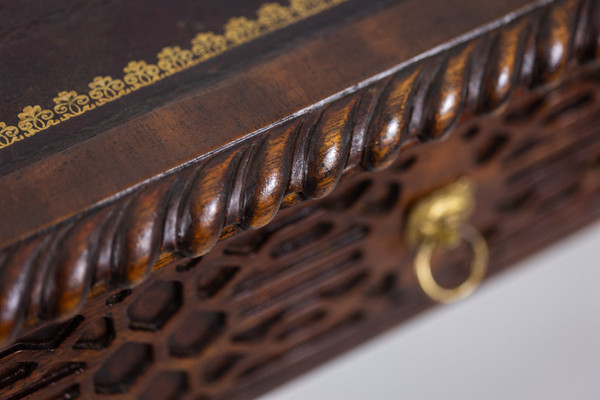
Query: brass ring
x=478, y=268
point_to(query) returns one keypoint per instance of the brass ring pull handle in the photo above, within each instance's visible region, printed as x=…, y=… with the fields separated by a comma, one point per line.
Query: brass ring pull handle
x=478, y=268
x=438, y=220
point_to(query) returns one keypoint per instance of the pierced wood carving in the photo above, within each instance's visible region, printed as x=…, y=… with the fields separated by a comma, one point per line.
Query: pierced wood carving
x=268, y=304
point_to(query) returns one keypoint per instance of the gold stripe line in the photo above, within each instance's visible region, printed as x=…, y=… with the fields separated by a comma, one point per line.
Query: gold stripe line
x=170, y=60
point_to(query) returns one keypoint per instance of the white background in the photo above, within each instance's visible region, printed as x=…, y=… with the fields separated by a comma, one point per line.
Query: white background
x=532, y=333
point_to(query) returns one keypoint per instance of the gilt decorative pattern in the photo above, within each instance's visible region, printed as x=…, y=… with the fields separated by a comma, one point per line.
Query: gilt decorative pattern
x=185, y=213
x=137, y=74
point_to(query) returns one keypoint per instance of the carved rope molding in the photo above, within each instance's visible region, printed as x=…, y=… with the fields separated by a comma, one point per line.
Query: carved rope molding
x=49, y=276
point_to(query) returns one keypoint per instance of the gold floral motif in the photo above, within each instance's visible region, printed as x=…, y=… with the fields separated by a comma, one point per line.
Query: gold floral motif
x=34, y=119
x=240, y=30
x=310, y=7
x=138, y=74
x=207, y=44
x=272, y=16
x=8, y=135
x=173, y=59
x=105, y=89
x=70, y=104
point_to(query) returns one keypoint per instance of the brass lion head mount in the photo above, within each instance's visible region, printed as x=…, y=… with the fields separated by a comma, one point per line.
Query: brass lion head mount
x=438, y=217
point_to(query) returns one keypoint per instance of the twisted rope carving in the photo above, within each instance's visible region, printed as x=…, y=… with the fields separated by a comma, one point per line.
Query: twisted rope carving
x=49, y=276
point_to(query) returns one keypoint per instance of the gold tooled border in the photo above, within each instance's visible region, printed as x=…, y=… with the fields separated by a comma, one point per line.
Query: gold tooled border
x=137, y=74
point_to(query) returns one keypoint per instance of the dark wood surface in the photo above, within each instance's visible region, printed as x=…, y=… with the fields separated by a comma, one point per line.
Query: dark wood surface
x=170, y=134
x=84, y=39
x=387, y=100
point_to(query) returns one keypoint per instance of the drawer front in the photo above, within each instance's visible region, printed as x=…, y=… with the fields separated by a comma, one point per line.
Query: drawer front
x=323, y=276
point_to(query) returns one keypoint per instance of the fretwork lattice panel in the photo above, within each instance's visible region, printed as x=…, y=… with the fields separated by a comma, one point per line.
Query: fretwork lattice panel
x=266, y=305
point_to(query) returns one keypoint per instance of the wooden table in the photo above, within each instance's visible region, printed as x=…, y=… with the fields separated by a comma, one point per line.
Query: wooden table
x=202, y=200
